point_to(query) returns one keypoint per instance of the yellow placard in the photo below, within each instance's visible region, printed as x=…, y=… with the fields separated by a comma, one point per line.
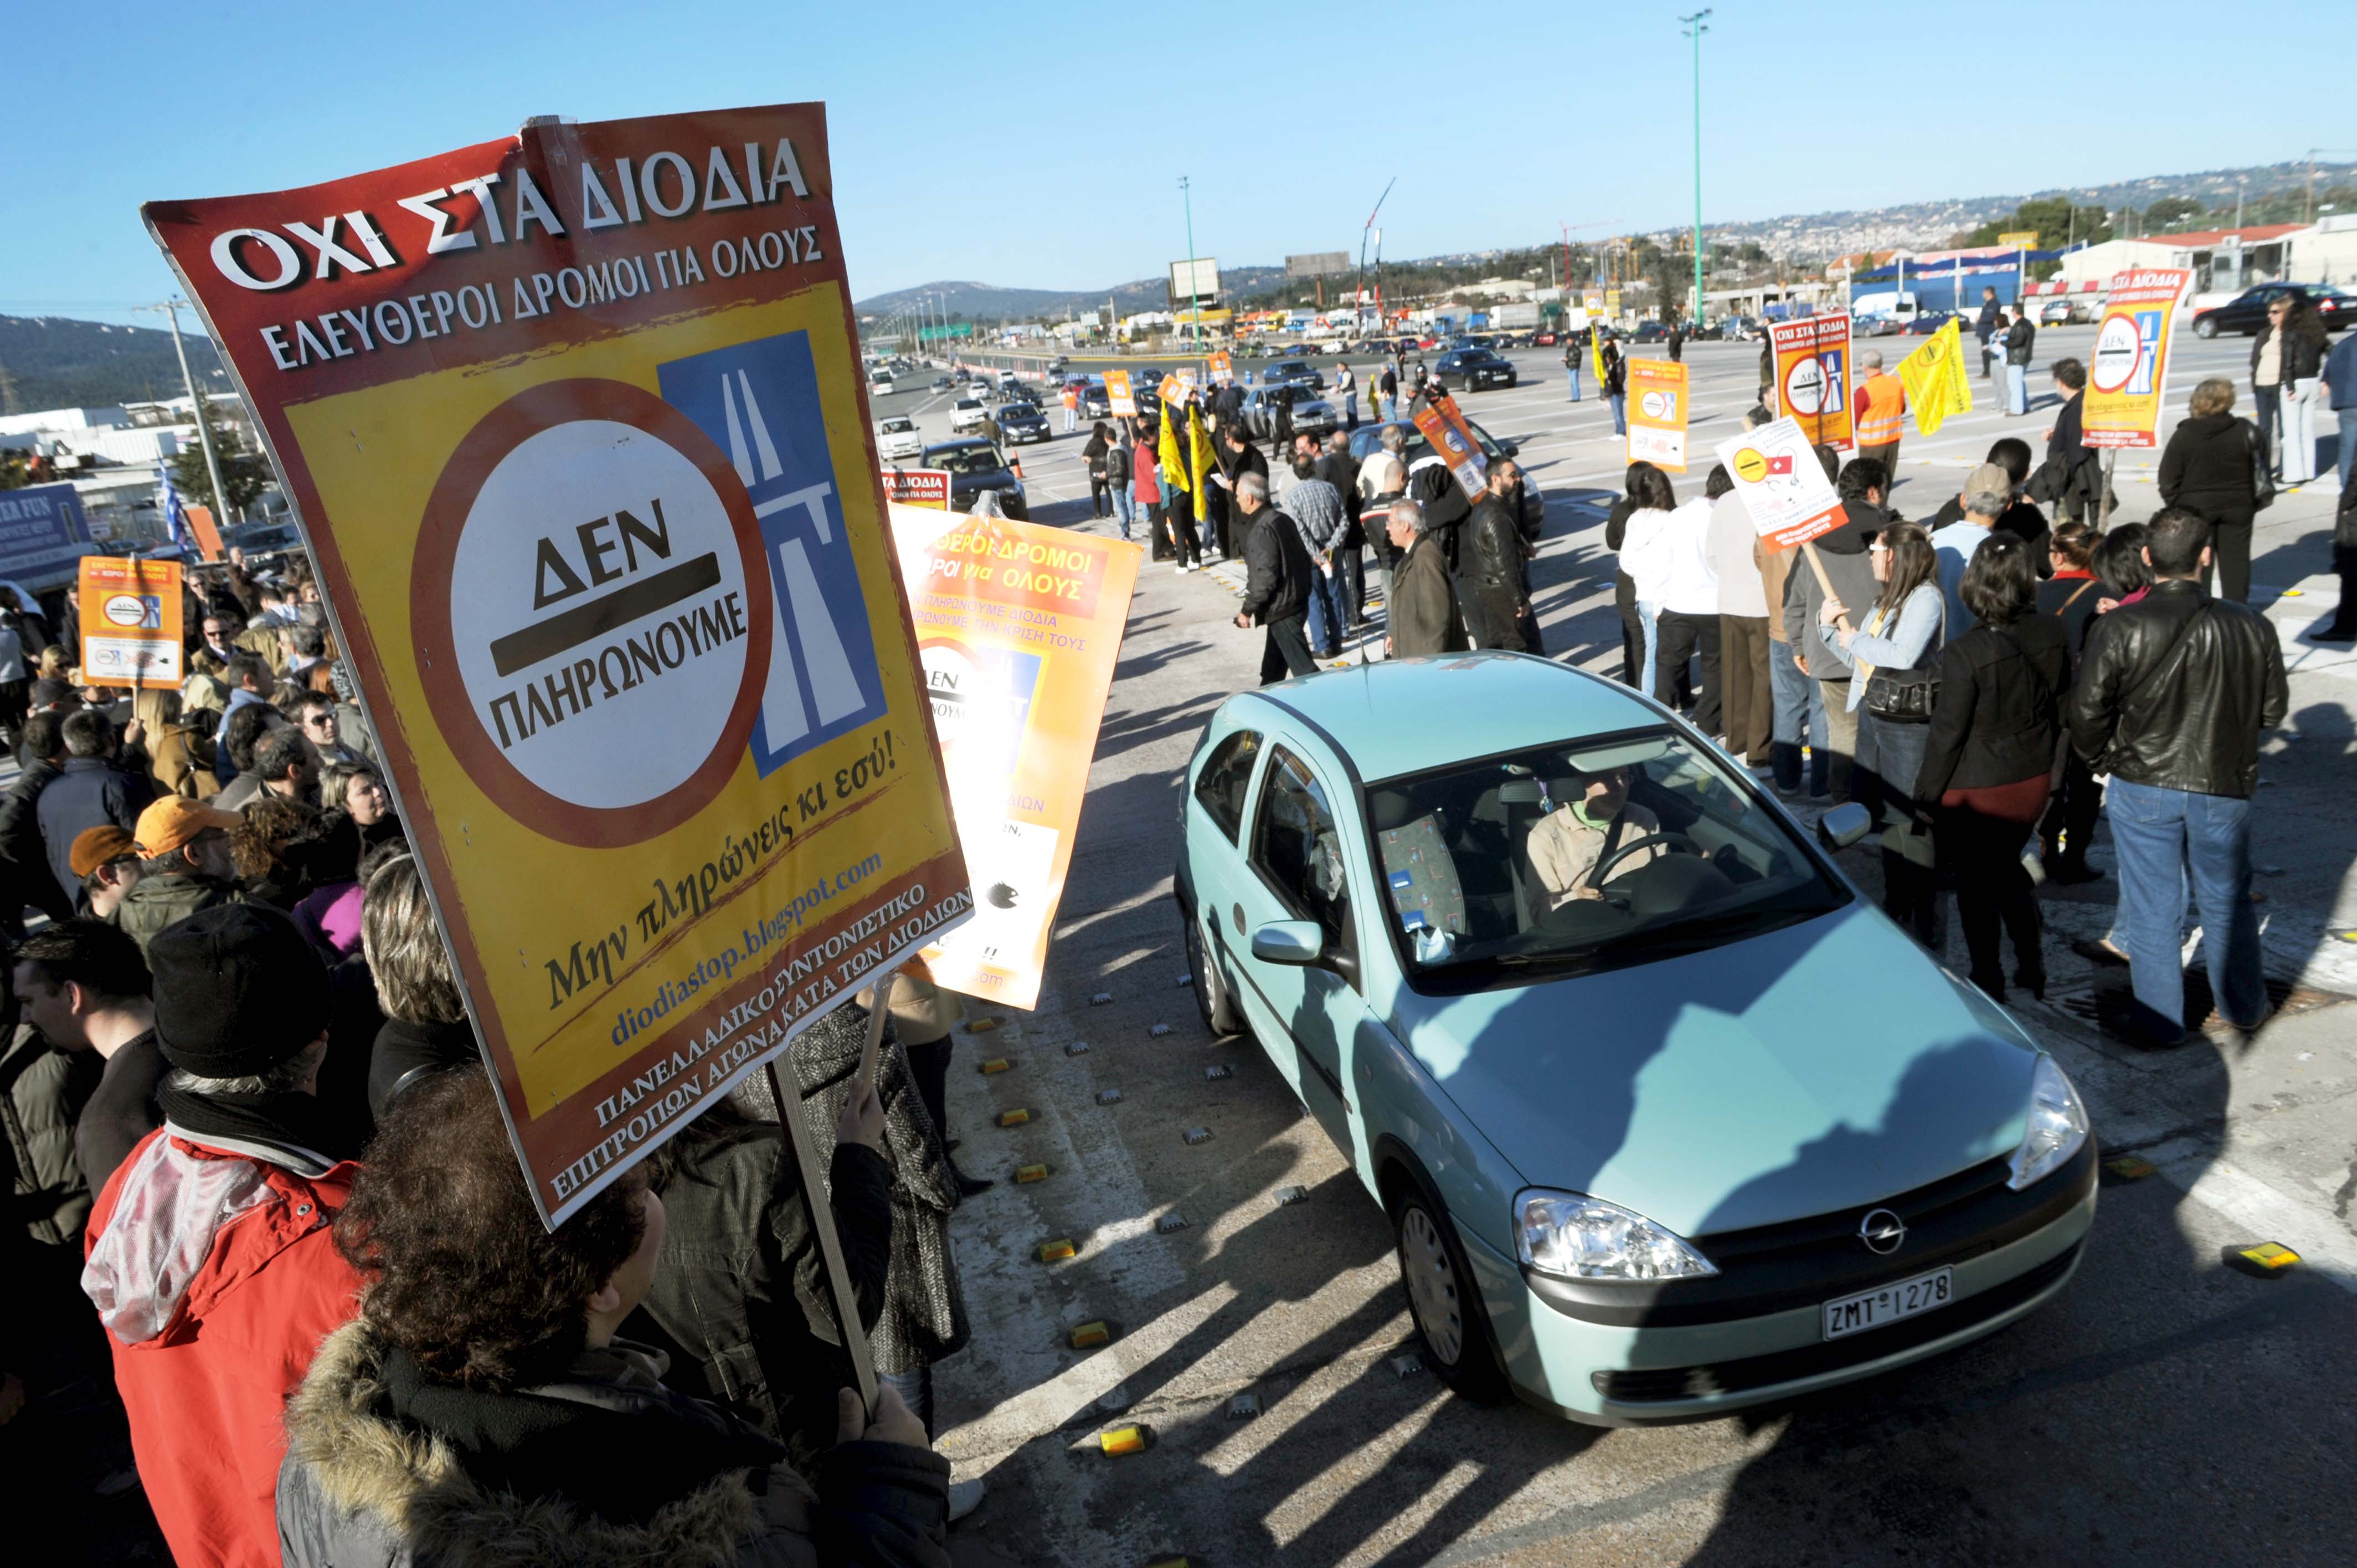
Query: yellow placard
x=1657, y=413
x=2128, y=372
x=1935, y=378
x=583, y=455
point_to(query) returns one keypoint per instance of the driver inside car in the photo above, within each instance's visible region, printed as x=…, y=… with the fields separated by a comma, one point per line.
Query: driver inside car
x=1565, y=846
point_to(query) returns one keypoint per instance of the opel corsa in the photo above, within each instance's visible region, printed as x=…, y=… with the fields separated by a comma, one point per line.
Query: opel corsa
x=1668, y=1119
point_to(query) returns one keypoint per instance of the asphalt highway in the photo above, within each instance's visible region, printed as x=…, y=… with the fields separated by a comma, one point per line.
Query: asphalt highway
x=2166, y=1409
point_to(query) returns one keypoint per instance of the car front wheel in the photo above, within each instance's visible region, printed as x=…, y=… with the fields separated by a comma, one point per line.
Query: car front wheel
x=2204, y=327
x=1211, y=997
x=1451, y=1326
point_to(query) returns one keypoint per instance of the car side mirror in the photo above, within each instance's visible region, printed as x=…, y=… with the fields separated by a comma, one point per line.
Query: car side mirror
x=1509, y=449
x=1288, y=941
x=1844, y=825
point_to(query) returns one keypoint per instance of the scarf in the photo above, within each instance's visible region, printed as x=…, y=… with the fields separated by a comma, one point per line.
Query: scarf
x=286, y=1127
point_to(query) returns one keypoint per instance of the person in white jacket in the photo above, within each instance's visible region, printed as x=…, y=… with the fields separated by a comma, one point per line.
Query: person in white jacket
x=1686, y=592
x=1644, y=555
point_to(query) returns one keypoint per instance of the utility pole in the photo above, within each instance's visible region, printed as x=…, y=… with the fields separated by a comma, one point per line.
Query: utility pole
x=1194, y=294
x=1694, y=30
x=171, y=311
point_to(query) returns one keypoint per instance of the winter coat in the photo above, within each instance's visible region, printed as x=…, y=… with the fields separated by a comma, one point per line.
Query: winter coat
x=1094, y=454
x=20, y=840
x=1276, y=569
x=180, y=760
x=405, y=1052
x=2304, y=349
x=2208, y=468
x=740, y=1293
x=2020, y=340
x=155, y=902
x=1116, y=465
x=91, y=793
x=1424, y=611
x=2186, y=717
x=42, y=1093
x=206, y=1355
x=1492, y=577
x=924, y=1316
x=1998, y=716
x=1852, y=573
x=606, y=1468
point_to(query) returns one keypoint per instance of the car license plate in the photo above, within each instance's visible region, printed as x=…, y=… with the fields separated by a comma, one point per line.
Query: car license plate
x=1881, y=1307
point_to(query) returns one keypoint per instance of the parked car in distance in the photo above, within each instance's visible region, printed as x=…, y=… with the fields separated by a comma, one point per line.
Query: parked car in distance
x=1474, y=370
x=898, y=437
x=2061, y=311
x=967, y=414
x=1022, y=422
x=1929, y=322
x=974, y=466
x=1543, y=339
x=2247, y=312
x=942, y=383
x=1687, y=1128
x=1294, y=372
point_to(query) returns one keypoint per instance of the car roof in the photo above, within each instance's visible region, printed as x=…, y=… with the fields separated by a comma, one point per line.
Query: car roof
x=961, y=443
x=1405, y=715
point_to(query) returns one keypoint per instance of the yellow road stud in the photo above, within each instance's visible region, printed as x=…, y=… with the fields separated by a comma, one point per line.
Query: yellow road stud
x=996, y=1063
x=1055, y=1252
x=2130, y=1167
x=1090, y=1335
x=1014, y=1118
x=1122, y=1440
x=1031, y=1173
x=2270, y=1256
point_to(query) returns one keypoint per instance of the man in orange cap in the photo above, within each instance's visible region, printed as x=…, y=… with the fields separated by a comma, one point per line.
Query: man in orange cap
x=106, y=863
x=184, y=866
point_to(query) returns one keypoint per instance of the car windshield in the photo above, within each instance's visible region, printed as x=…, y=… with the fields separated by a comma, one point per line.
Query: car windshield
x=1019, y=411
x=1586, y=854
x=966, y=461
x=966, y=403
x=899, y=427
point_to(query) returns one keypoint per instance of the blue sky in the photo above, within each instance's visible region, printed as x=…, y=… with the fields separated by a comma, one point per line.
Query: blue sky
x=1025, y=145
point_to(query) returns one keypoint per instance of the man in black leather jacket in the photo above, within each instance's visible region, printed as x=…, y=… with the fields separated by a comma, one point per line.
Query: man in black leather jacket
x=2173, y=695
x=1490, y=576
x=1277, y=584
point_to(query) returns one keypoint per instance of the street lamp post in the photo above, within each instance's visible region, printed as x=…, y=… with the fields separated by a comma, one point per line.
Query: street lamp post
x=170, y=309
x=1194, y=294
x=1695, y=29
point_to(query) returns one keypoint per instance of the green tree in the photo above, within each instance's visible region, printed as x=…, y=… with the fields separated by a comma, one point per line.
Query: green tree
x=243, y=473
x=2169, y=212
x=2058, y=223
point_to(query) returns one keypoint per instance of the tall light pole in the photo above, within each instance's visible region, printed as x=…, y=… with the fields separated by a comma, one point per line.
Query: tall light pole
x=171, y=311
x=1194, y=294
x=1695, y=29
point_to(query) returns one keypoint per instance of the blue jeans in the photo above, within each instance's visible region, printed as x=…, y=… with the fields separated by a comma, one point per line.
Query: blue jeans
x=1649, y=616
x=2348, y=439
x=2267, y=411
x=1125, y=507
x=2159, y=835
x=2016, y=389
x=1325, y=613
x=1351, y=410
x=1620, y=413
x=1800, y=719
x=1571, y=374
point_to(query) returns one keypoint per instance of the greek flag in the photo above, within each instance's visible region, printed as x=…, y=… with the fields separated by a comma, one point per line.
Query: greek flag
x=176, y=519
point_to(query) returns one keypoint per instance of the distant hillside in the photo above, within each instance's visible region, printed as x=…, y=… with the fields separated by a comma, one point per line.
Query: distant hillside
x=52, y=362
x=988, y=302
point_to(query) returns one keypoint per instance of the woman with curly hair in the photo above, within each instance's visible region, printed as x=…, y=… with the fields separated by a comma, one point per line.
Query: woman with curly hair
x=483, y=1409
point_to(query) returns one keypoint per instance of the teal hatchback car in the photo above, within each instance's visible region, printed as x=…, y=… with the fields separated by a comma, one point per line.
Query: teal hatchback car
x=1668, y=1118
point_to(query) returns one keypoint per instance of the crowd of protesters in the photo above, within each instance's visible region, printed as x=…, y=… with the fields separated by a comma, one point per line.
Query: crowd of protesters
x=264, y=1209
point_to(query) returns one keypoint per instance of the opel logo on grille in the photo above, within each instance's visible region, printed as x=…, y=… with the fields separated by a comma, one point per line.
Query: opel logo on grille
x=1881, y=1231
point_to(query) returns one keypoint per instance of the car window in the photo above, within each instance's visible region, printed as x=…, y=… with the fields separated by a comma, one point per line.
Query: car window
x=1297, y=850
x=899, y=427
x=1586, y=854
x=1220, y=786
x=967, y=461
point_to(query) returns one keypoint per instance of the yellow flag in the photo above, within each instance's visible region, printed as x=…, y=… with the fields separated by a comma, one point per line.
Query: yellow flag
x=1199, y=461
x=1933, y=376
x=1173, y=466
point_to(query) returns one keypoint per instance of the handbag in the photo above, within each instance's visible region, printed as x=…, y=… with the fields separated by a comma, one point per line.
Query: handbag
x=2263, y=481
x=1900, y=696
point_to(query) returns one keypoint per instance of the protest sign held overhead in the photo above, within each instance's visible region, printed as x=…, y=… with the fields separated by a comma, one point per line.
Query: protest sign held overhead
x=1813, y=377
x=130, y=622
x=1443, y=425
x=1657, y=413
x=1784, y=486
x=1019, y=627
x=2127, y=374
x=575, y=427
x=1224, y=368
x=1933, y=376
x=1118, y=396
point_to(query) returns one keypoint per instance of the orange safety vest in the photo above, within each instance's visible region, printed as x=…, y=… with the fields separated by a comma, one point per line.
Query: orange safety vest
x=1882, y=403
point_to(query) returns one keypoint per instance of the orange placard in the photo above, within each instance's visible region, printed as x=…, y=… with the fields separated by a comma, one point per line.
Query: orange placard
x=1224, y=368
x=201, y=522
x=1813, y=377
x=1118, y=397
x=1443, y=425
x=131, y=624
x=1018, y=628
x=1657, y=413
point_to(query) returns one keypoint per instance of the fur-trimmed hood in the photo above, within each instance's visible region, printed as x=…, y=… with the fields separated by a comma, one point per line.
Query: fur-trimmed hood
x=360, y=1485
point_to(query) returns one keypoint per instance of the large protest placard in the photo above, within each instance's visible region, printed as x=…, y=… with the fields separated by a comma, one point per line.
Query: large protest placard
x=1118, y=396
x=1657, y=413
x=1019, y=626
x=574, y=425
x=2127, y=374
x=1813, y=377
x=1784, y=486
x=1933, y=376
x=130, y=626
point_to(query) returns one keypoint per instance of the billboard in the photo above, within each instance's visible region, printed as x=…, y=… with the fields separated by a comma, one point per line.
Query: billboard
x=1194, y=281
x=575, y=429
x=1317, y=264
x=1022, y=628
x=43, y=530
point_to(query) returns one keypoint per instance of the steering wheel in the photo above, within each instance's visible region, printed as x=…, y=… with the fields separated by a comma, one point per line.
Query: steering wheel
x=1676, y=841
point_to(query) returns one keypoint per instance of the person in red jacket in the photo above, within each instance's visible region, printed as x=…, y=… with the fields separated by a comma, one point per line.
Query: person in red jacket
x=209, y=1255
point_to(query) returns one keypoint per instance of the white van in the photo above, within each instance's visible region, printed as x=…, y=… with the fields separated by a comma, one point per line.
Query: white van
x=1897, y=304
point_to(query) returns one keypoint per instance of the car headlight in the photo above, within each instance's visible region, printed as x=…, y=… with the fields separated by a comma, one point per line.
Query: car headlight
x=2057, y=1127
x=1579, y=1238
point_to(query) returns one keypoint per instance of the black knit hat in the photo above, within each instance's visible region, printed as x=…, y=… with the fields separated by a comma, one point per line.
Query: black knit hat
x=238, y=990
